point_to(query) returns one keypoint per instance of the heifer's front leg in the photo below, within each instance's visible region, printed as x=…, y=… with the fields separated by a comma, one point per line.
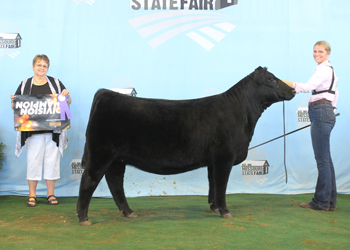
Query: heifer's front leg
x=115, y=180
x=221, y=175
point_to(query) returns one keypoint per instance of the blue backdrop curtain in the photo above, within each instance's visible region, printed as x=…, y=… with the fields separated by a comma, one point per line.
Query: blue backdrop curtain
x=169, y=52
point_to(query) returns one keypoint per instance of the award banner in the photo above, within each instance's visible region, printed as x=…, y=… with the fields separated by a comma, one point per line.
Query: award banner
x=40, y=112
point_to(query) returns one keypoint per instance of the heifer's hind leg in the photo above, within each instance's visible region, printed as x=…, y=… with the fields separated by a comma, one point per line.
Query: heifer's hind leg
x=115, y=180
x=211, y=196
x=88, y=184
x=92, y=175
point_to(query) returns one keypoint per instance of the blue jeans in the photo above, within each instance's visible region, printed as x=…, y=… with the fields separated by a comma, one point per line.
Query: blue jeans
x=322, y=122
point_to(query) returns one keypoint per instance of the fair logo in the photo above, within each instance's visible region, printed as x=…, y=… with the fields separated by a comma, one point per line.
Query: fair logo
x=76, y=167
x=303, y=113
x=255, y=167
x=10, y=40
x=122, y=82
x=199, y=20
x=90, y=2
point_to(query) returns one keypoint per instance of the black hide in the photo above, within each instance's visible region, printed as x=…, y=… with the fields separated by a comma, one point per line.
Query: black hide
x=170, y=137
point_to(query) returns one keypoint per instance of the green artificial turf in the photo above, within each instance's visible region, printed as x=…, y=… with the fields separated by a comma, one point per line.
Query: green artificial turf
x=176, y=222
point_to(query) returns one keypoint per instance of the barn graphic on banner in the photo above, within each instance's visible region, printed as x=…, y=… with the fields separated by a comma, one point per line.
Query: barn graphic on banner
x=255, y=167
x=10, y=40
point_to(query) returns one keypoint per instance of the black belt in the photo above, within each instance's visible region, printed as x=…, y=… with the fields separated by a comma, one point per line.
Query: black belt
x=319, y=102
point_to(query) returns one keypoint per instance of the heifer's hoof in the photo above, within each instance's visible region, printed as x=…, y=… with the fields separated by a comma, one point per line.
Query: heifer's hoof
x=228, y=215
x=214, y=208
x=132, y=215
x=85, y=223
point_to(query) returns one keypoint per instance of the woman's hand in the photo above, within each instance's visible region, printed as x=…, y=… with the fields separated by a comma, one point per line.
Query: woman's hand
x=290, y=84
x=65, y=92
x=12, y=97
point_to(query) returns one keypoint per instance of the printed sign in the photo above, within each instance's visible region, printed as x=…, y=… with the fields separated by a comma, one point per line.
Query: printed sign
x=199, y=20
x=76, y=166
x=255, y=167
x=40, y=112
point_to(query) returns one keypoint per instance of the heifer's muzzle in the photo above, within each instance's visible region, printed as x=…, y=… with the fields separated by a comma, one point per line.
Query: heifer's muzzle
x=284, y=91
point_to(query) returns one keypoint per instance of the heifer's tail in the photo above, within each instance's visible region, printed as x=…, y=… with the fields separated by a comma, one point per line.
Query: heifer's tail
x=85, y=158
x=97, y=97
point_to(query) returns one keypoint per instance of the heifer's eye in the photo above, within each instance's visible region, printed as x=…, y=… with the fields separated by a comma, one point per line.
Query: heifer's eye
x=273, y=83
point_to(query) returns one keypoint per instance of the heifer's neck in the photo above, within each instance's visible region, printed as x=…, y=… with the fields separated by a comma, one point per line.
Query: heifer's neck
x=244, y=96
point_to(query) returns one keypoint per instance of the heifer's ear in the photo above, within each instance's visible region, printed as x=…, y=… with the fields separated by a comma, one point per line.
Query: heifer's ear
x=258, y=75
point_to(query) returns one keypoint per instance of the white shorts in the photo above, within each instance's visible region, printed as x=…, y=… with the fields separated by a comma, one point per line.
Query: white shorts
x=41, y=149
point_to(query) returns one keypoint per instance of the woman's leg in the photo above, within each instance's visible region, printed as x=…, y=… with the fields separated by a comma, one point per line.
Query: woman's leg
x=51, y=166
x=50, y=184
x=322, y=123
x=35, y=152
x=32, y=191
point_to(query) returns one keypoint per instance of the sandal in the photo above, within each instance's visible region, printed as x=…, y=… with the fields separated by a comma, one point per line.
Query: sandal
x=50, y=201
x=30, y=202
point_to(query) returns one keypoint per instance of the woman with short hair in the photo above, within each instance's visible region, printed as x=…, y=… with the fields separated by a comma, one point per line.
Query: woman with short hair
x=43, y=147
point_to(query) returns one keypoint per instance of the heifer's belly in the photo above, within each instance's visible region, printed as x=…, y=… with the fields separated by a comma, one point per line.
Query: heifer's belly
x=161, y=166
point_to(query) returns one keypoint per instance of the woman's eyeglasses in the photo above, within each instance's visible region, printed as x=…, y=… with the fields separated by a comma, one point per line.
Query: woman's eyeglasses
x=41, y=66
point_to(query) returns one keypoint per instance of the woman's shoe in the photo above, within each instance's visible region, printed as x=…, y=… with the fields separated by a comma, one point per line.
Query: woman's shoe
x=310, y=206
x=31, y=202
x=52, y=200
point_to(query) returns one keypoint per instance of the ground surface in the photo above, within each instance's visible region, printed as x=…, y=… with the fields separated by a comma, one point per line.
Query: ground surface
x=180, y=222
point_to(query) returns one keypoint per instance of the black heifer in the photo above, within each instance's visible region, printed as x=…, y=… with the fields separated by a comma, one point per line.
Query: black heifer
x=170, y=137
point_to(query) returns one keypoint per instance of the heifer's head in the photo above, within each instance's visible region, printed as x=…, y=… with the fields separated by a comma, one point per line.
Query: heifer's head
x=270, y=88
